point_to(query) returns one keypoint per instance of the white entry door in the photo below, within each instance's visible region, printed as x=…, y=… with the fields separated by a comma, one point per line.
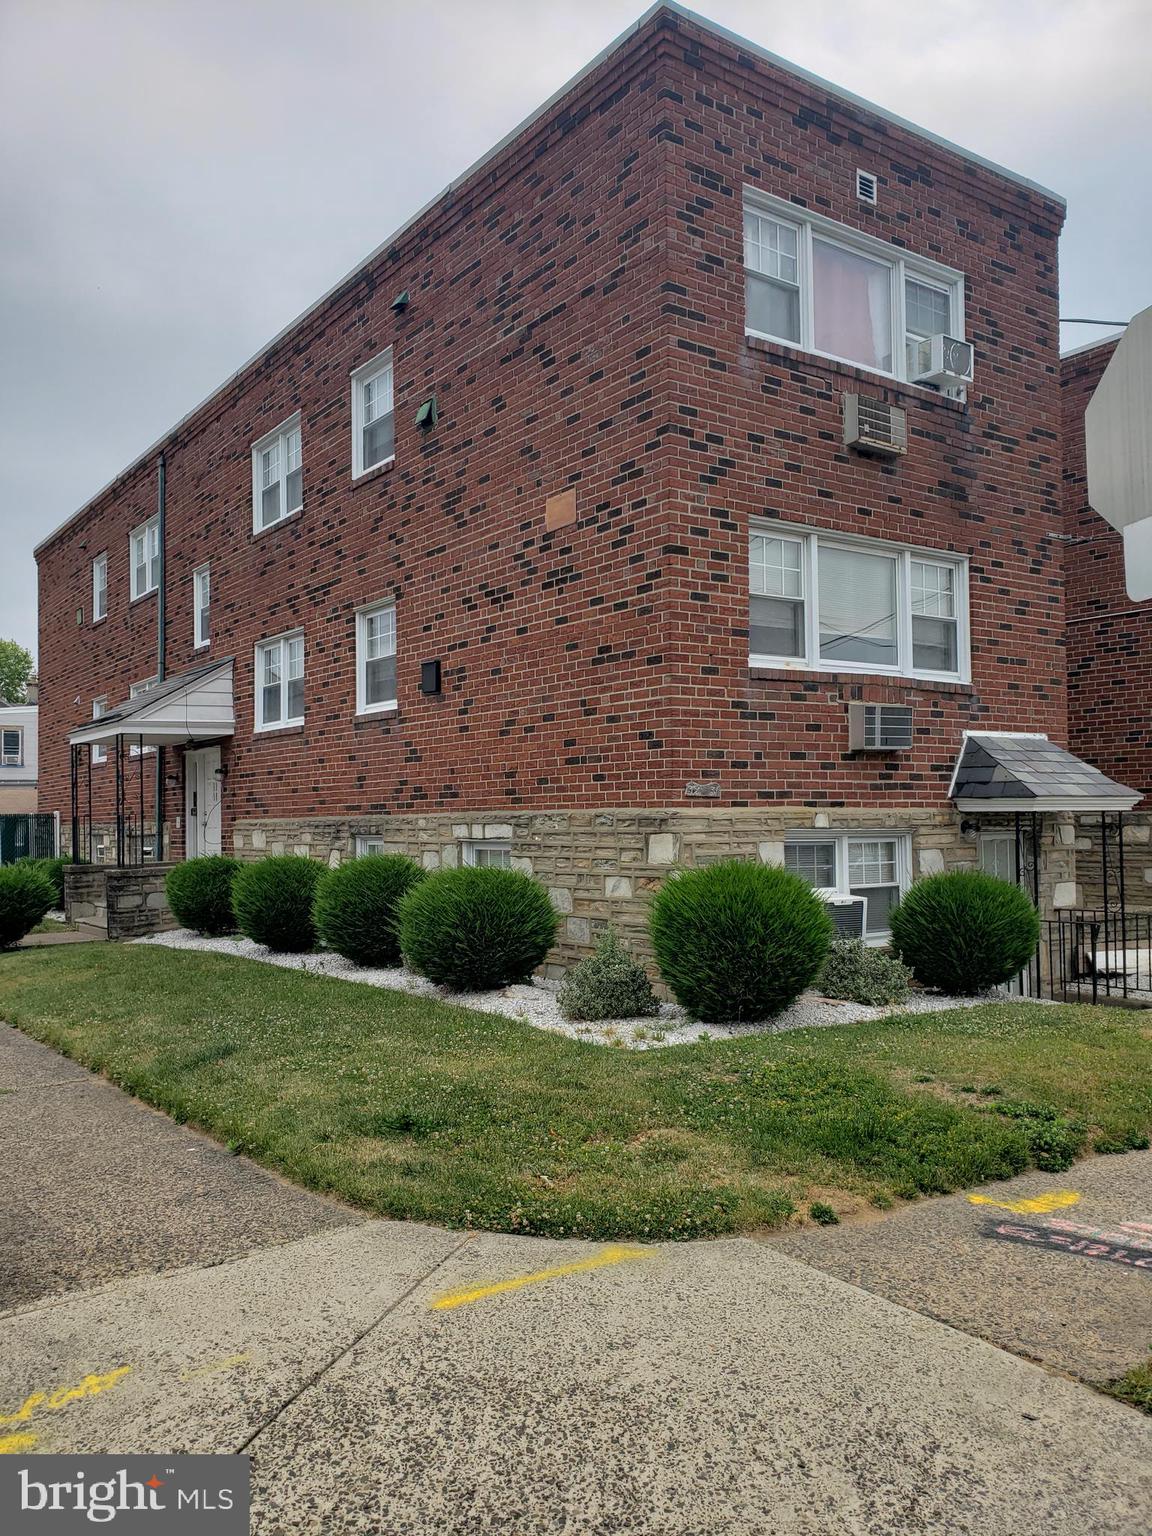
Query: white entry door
x=998, y=857
x=202, y=803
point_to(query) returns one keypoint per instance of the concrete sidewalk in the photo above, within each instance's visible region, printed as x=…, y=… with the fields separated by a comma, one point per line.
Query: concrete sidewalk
x=390, y=1378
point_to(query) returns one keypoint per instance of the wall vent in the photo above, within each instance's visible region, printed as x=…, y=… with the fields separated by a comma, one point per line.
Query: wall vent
x=867, y=187
x=874, y=426
x=879, y=727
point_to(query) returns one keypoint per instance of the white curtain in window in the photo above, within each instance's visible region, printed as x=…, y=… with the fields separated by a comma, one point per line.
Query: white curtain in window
x=852, y=306
x=857, y=607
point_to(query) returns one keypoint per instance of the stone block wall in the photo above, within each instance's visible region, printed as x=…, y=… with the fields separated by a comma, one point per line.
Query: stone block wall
x=125, y=903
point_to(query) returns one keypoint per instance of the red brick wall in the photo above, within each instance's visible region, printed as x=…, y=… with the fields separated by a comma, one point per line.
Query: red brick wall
x=1109, y=636
x=571, y=307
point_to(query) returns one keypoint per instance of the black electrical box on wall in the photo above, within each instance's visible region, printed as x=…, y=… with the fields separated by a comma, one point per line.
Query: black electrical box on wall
x=430, y=676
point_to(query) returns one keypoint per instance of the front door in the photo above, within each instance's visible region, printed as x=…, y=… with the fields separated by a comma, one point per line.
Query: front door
x=998, y=857
x=202, y=803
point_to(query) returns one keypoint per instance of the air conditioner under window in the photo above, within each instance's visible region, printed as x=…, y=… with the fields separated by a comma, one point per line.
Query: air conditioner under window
x=874, y=426
x=879, y=727
x=944, y=360
x=847, y=914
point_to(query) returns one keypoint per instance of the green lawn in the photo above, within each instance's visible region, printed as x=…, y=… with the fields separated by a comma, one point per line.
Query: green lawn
x=423, y=1110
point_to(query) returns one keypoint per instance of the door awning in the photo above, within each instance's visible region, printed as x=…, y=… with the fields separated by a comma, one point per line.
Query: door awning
x=193, y=706
x=1011, y=771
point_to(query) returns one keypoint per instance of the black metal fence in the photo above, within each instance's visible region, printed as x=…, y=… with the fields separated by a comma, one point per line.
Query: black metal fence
x=27, y=836
x=1098, y=955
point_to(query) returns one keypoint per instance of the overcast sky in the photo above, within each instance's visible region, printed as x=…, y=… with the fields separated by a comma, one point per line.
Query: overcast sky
x=179, y=178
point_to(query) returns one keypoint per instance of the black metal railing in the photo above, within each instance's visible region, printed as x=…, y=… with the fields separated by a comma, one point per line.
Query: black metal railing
x=127, y=841
x=1096, y=955
x=29, y=835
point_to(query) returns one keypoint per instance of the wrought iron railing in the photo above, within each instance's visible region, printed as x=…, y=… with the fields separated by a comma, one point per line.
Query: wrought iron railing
x=29, y=835
x=1095, y=955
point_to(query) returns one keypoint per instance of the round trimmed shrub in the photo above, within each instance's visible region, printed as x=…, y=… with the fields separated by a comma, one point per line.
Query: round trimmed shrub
x=965, y=931
x=355, y=907
x=859, y=973
x=199, y=892
x=473, y=930
x=607, y=985
x=26, y=896
x=54, y=869
x=737, y=942
x=272, y=902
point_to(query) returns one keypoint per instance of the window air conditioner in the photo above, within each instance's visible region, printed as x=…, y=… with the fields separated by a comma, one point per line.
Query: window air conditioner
x=879, y=727
x=873, y=426
x=847, y=914
x=944, y=360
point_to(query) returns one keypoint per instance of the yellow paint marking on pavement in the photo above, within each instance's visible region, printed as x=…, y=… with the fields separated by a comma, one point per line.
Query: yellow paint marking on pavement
x=614, y=1254
x=1037, y=1206
x=12, y=1445
x=214, y=1367
x=91, y=1386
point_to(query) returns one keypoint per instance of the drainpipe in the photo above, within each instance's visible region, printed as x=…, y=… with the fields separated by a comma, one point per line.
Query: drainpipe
x=161, y=623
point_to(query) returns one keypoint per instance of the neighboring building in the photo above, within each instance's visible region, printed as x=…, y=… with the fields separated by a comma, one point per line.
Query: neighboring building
x=598, y=523
x=18, y=757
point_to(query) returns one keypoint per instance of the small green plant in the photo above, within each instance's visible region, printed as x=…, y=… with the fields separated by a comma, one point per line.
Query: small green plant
x=272, y=901
x=965, y=931
x=863, y=975
x=476, y=929
x=736, y=941
x=1124, y=1141
x=1134, y=1387
x=609, y=984
x=199, y=892
x=1055, y=1141
x=355, y=907
x=26, y=894
x=823, y=1214
x=54, y=869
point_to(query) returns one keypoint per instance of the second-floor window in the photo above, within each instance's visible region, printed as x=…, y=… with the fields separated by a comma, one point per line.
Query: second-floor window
x=12, y=747
x=99, y=708
x=99, y=588
x=829, y=289
x=280, y=682
x=144, y=557
x=831, y=603
x=277, y=476
x=373, y=416
x=376, y=659
x=201, y=601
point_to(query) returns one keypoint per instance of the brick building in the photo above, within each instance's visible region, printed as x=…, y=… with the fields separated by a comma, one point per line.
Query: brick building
x=576, y=526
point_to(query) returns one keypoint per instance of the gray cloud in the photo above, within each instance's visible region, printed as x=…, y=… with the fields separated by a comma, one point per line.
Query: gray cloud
x=178, y=180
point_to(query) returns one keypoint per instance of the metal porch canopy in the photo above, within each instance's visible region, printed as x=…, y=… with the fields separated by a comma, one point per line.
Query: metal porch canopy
x=192, y=706
x=1010, y=771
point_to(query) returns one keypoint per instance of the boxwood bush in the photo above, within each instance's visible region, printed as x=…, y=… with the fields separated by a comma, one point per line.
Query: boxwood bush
x=473, y=930
x=272, y=902
x=355, y=907
x=26, y=895
x=609, y=984
x=861, y=974
x=199, y=893
x=737, y=942
x=54, y=869
x=965, y=931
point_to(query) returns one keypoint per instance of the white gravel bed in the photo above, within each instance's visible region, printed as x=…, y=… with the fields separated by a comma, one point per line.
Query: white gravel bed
x=536, y=1004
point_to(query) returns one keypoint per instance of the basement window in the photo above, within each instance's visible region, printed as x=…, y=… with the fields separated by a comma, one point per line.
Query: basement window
x=875, y=866
x=488, y=855
x=277, y=476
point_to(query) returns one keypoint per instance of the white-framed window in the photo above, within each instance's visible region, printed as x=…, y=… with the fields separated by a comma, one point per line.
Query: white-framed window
x=830, y=602
x=201, y=606
x=144, y=557
x=376, y=659
x=277, y=475
x=488, y=854
x=100, y=588
x=99, y=709
x=12, y=746
x=134, y=692
x=828, y=289
x=280, y=682
x=367, y=845
x=373, y=415
x=874, y=865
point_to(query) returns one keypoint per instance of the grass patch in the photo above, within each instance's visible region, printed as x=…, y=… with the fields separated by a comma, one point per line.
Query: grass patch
x=54, y=925
x=416, y=1108
x=1134, y=1387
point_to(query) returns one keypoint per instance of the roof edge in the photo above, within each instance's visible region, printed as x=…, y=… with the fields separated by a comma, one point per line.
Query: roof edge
x=1090, y=346
x=666, y=7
